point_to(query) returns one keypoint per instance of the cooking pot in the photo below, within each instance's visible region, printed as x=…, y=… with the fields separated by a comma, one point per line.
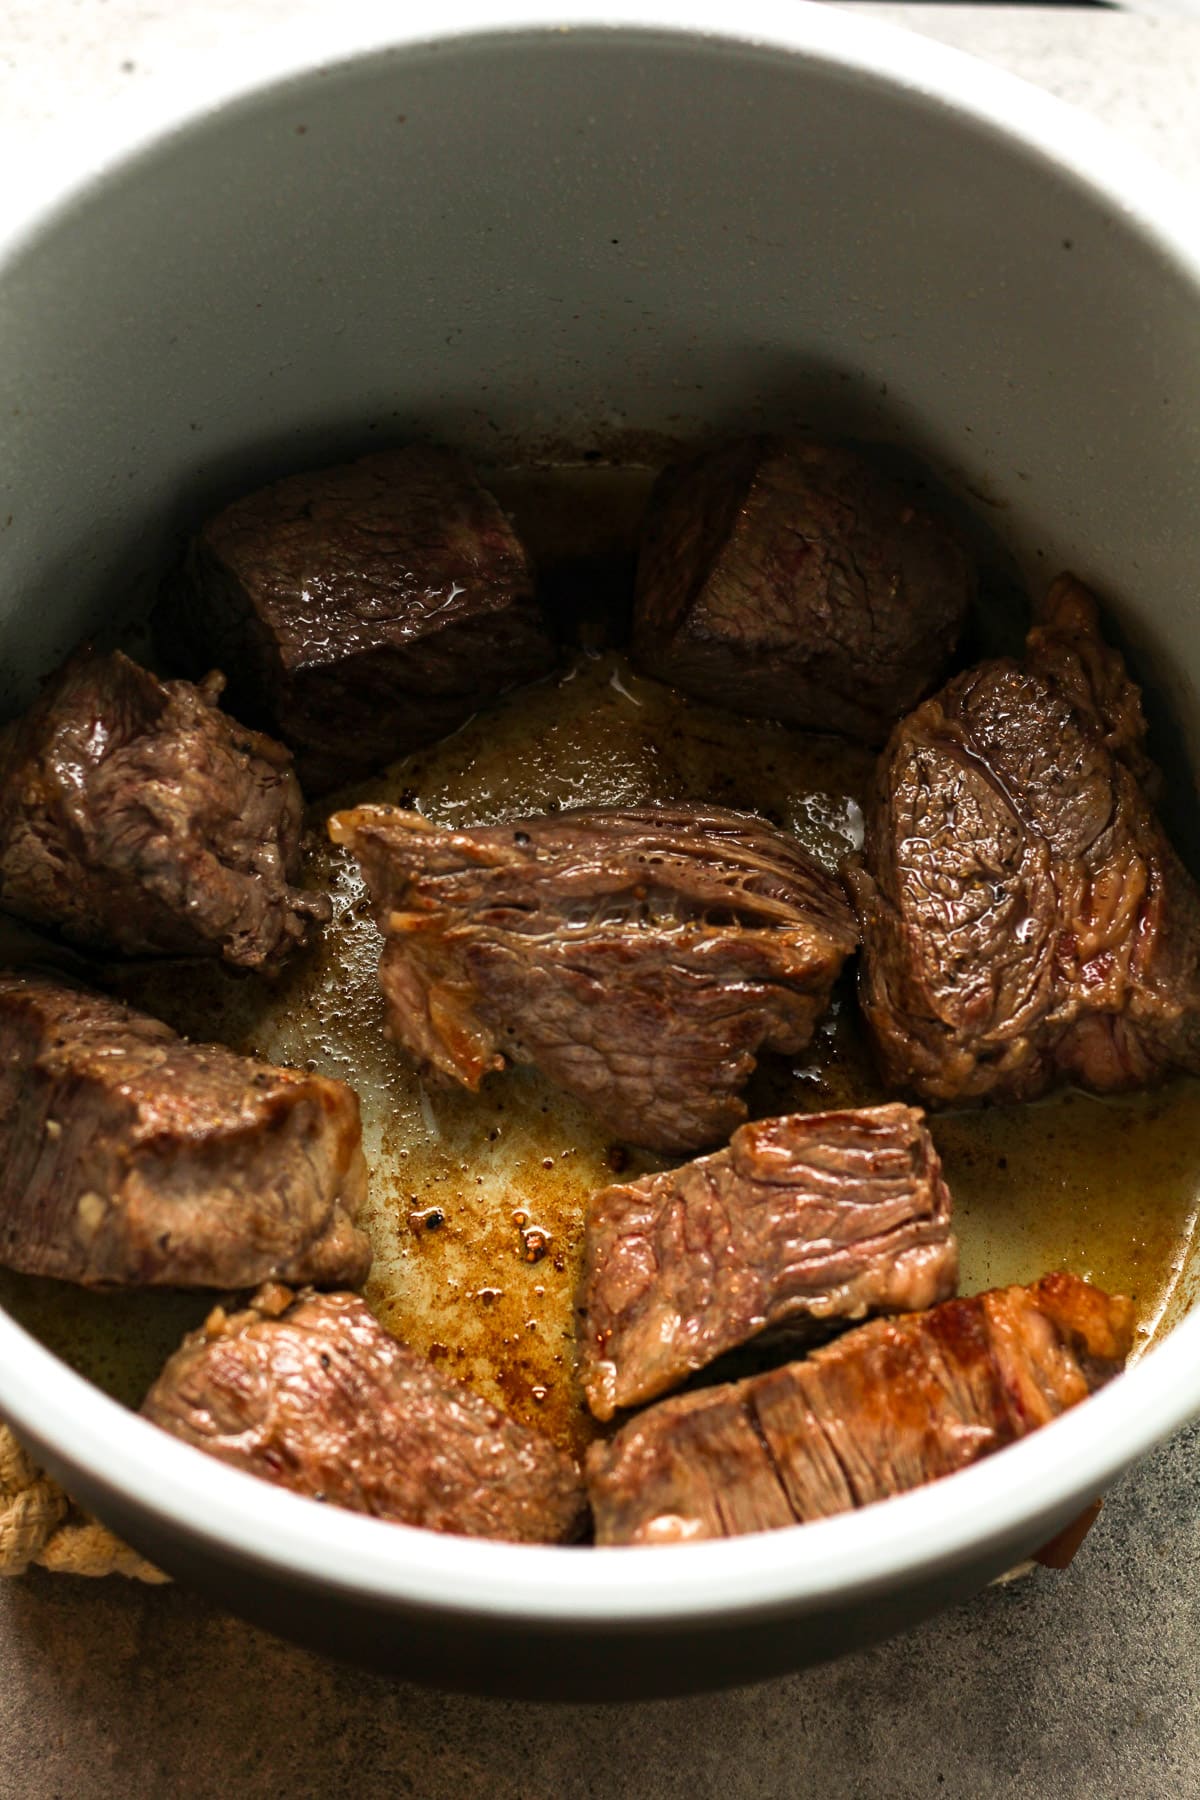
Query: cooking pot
x=569, y=225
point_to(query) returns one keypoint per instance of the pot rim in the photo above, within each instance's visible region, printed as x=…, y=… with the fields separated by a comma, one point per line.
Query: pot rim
x=999, y=1503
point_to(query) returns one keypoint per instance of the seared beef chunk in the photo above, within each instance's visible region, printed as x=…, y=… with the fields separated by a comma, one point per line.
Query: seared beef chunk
x=129, y=1157
x=313, y=1394
x=639, y=957
x=1025, y=919
x=886, y=1408
x=817, y=1217
x=367, y=609
x=136, y=816
x=798, y=581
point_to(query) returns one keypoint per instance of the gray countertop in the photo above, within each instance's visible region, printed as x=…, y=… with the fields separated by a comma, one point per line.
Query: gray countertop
x=1075, y=1686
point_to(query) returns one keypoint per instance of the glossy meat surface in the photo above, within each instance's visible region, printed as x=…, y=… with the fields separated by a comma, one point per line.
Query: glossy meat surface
x=639, y=957
x=1025, y=918
x=367, y=609
x=311, y=1393
x=129, y=1157
x=137, y=816
x=890, y=1406
x=811, y=1219
x=801, y=582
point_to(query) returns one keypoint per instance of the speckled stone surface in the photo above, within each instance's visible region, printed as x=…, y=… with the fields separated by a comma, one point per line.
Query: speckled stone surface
x=1078, y=1686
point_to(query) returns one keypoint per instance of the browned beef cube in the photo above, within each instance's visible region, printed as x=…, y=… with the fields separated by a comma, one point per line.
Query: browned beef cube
x=888, y=1407
x=799, y=582
x=1025, y=919
x=812, y=1219
x=639, y=957
x=311, y=1393
x=137, y=816
x=131, y=1158
x=367, y=609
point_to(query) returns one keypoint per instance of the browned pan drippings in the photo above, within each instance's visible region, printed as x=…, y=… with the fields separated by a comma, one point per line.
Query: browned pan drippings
x=476, y=1202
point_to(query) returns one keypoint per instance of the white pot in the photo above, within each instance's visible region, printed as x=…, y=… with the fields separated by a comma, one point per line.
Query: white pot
x=565, y=223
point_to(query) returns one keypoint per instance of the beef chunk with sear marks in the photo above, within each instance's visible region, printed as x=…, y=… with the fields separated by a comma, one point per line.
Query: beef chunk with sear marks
x=129, y=1157
x=800, y=582
x=639, y=957
x=887, y=1408
x=137, y=816
x=1025, y=919
x=311, y=1393
x=367, y=609
x=814, y=1219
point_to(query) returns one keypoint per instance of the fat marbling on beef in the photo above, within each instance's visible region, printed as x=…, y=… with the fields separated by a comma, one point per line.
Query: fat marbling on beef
x=809, y=1220
x=639, y=957
x=366, y=609
x=888, y=1407
x=310, y=1392
x=129, y=1157
x=798, y=581
x=137, y=816
x=1025, y=919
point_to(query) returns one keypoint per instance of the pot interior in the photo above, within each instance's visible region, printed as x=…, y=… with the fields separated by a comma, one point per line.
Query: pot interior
x=567, y=254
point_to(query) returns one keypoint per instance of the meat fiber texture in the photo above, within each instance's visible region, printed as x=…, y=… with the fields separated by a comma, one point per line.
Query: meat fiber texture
x=129, y=1157
x=366, y=609
x=813, y=1220
x=311, y=1393
x=801, y=582
x=1025, y=919
x=136, y=816
x=890, y=1406
x=639, y=957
